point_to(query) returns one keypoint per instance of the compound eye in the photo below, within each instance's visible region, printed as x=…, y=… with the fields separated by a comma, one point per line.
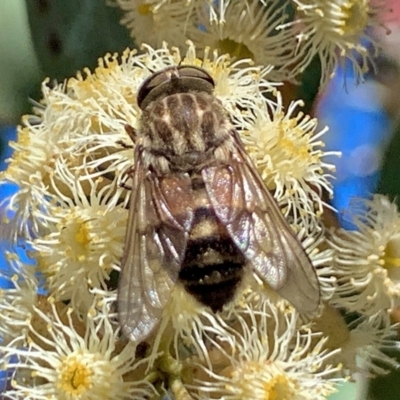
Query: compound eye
x=171, y=80
x=188, y=71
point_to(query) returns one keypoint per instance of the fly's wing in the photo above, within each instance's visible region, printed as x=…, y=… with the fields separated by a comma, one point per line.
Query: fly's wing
x=256, y=225
x=156, y=237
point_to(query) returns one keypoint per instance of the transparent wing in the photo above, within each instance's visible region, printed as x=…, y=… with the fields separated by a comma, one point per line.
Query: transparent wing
x=155, y=243
x=256, y=225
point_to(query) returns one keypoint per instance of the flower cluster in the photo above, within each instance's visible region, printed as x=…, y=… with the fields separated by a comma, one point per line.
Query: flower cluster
x=287, y=35
x=59, y=332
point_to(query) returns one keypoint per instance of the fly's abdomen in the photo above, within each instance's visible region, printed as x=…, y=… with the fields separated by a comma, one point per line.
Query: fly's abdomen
x=213, y=267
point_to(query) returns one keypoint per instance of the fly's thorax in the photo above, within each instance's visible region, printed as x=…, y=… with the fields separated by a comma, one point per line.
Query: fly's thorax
x=185, y=129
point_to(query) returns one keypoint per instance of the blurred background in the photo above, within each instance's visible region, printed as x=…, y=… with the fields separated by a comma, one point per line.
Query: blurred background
x=44, y=38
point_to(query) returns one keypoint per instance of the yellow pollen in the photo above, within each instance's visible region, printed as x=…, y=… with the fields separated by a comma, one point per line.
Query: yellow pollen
x=356, y=16
x=82, y=235
x=75, y=376
x=278, y=388
x=261, y=381
x=145, y=9
x=391, y=255
x=24, y=137
x=291, y=147
x=297, y=144
x=236, y=49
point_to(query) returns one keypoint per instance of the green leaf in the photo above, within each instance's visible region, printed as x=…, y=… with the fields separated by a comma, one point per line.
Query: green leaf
x=389, y=183
x=70, y=35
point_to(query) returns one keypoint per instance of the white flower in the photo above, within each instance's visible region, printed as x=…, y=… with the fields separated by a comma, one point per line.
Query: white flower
x=362, y=341
x=249, y=32
x=148, y=17
x=16, y=299
x=335, y=30
x=242, y=29
x=82, y=242
x=366, y=261
x=289, y=156
x=155, y=22
x=65, y=359
x=257, y=353
x=314, y=242
x=369, y=340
